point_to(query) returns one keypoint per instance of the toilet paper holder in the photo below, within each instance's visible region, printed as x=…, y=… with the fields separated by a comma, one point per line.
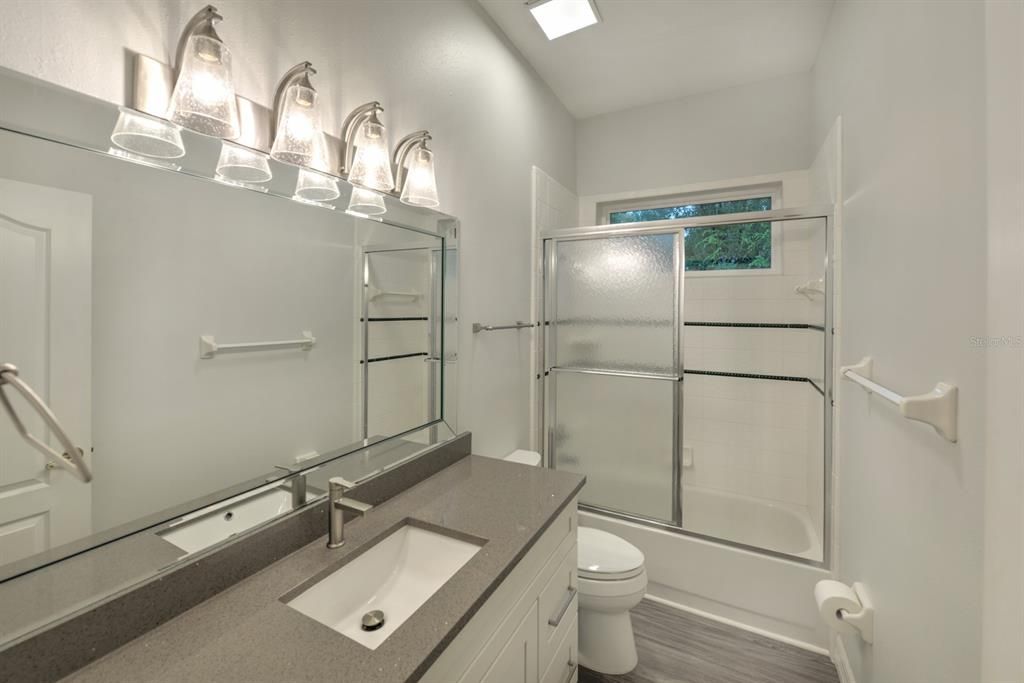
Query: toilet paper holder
x=864, y=620
x=846, y=609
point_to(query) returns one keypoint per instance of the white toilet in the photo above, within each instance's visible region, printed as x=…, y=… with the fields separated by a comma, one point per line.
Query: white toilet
x=612, y=581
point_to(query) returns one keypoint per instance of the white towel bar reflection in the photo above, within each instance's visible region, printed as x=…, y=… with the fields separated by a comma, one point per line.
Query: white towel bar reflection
x=208, y=346
x=937, y=408
x=72, y=459
x=519, y=324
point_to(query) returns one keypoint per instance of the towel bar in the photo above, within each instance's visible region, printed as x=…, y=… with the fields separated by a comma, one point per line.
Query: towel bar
x=208, y=346
x=519, y=324
x=938, y=407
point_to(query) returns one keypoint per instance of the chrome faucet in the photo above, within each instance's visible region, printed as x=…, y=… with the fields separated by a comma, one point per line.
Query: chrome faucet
x=338, y=503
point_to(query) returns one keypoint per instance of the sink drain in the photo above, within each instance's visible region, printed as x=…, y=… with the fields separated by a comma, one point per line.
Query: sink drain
x=373, y=620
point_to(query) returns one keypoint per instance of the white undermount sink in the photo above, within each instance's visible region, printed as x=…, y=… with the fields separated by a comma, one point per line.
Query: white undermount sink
x=396, y=576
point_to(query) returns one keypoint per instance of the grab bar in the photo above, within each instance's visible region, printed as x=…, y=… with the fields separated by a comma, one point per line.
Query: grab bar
x=519, y=324
x=208, y=346
x=71, y=460
x=937, y=408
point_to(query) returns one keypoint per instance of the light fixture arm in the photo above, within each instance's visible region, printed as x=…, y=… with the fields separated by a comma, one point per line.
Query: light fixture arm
x=402, y=150
x=358, y=116
x=201, y=24
x=298, y=74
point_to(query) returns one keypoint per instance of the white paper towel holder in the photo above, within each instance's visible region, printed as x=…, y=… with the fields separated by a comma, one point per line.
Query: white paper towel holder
x=864, y=620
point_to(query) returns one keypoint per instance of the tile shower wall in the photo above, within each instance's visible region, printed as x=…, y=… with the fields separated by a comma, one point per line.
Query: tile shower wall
x=747, y=436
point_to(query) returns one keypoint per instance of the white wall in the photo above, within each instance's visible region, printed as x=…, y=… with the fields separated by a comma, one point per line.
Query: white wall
x=440, y=65
x=554, y=207
x=743, y=131
x=907, y=79
x=1003, y=625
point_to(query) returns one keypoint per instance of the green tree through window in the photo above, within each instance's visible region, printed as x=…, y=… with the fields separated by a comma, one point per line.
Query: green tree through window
x=742, y=246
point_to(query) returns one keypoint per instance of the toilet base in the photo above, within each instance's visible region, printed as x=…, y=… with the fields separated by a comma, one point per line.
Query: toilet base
x=606, y=642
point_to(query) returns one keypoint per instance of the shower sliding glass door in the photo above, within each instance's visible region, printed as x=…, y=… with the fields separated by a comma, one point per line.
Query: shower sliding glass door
x=613, y=370
x=739, y=451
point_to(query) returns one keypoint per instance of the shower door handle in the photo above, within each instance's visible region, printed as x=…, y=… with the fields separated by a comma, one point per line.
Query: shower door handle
x=71, y=459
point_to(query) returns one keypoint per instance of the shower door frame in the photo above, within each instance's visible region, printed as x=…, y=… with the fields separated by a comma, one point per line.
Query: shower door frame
x=548, y=268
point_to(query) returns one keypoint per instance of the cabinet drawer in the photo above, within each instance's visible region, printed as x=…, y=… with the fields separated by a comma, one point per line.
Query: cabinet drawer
x=565, y=662
x=558, y=605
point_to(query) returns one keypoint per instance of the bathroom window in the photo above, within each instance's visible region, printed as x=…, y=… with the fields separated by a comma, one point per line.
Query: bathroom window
x=752, y=248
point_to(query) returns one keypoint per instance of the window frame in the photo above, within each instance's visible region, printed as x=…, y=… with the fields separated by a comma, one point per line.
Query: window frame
x=774, y=190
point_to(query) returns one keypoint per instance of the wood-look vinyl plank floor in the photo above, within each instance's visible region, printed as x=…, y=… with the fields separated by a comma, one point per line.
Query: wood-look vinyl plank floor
x=680, y=647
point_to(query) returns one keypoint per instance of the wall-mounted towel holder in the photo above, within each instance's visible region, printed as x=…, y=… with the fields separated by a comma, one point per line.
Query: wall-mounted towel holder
x=208, y=346
x=518, y=325
x=938, y=407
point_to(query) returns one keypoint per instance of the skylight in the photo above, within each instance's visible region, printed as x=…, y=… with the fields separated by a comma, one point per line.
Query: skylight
x=560, y=17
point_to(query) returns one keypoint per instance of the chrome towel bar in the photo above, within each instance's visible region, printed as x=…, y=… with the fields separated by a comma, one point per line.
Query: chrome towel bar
x=208, y=346
x=937, y=408
x=519, y=324
x=72, y=459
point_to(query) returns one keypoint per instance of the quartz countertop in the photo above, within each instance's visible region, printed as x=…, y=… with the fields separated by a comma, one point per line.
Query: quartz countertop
x=246, y=633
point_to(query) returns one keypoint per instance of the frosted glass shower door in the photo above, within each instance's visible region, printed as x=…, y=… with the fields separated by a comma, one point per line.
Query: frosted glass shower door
x=612, y=311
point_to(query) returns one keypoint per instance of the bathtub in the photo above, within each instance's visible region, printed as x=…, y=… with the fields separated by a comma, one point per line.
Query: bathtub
x=760, y=523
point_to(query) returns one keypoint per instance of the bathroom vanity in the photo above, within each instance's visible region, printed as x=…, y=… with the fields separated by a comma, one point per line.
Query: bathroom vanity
x=507, y=615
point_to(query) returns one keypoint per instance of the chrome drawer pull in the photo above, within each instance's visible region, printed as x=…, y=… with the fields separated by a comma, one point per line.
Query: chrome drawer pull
x=71, y=459
x=563, y=608
x=572, y=671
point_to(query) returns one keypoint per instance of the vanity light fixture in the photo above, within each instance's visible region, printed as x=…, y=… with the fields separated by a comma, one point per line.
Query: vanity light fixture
x=316, y=186
x=414, y=170
x=365, y=202
x=139, y=133
x=298, y=139
x=204, y=96
x=365, y=159
x=242, y=165
x=562, y=17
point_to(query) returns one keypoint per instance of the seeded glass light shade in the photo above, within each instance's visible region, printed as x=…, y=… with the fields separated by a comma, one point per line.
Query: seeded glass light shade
x=366, y=202
x=420, y=187
x=315, y=186
x=298, y=131
x=147, y=135
x=242, y=164
x=371, y=165
x=204, y=96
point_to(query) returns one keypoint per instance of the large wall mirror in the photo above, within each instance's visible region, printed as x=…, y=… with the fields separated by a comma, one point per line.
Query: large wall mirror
x=199, y=341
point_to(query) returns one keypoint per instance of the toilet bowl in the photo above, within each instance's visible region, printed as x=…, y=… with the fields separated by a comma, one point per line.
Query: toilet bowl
x=612, y=581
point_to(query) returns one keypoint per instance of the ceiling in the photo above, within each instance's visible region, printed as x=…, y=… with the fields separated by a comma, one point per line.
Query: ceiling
x=647, y=51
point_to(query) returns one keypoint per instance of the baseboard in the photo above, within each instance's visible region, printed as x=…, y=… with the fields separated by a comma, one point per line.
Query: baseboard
x=745, y=627
x=841, y=660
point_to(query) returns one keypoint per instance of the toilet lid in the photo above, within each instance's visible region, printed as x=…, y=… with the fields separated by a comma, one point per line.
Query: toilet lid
x=605, y=556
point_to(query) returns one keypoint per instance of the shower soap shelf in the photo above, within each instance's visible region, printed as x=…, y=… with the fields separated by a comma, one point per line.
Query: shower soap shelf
x=938, y=407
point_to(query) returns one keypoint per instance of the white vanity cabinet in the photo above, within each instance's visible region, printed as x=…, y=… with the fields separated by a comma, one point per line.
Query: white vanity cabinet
x=527, y=631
